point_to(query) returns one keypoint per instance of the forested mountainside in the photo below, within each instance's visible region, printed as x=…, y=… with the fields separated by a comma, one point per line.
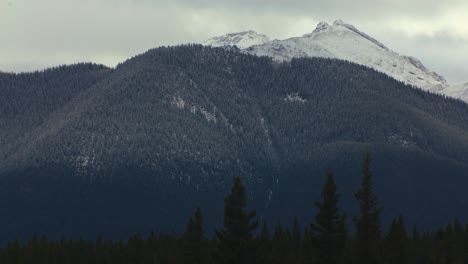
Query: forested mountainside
x=26, y=100
x=87, y=150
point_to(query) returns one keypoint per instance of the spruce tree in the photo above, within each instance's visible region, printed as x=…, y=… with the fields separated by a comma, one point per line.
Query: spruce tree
x=296, y=237
x=396, y=243
x=236, y=243
x=192, y=240
x=329, y=229
x=263, y=255
x=281, y=245
x=417, y=249
x=264, y=233
x=368, y=231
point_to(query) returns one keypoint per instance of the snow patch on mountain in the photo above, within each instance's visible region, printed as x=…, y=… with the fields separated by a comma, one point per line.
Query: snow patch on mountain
x=402, y=140
x=178, y=102
x=208, y=115
x=214, y=116
x=242, y=40
x=295, y=97
x=266, y=131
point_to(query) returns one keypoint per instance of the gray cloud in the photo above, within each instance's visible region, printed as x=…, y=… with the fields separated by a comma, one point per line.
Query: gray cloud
x=368, y=8
x=38, y=34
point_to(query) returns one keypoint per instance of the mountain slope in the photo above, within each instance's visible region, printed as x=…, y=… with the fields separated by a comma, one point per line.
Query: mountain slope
x=459, y=91
x=166, y=131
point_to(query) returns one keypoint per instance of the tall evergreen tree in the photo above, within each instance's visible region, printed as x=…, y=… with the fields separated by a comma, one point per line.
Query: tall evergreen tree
x=296, y=236
x=236, y=243
x=192, y=240
x=329, y=229
x=281, y=246
x=264, y=246
x=396, y=243
x=417, y=247
x=368, y=231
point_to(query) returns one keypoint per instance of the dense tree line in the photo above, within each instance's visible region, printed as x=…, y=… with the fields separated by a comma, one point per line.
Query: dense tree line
x=327, y=240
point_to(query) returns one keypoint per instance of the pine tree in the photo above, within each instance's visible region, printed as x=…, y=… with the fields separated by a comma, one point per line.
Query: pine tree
x=192, y=240
x=236, y=243
x=415, y=235
x=135, y=247
x=281, y=245
x=329, y=229
x=368, y=223
x=458, y=241
x=296, y=237
x=396, y=243
x=264, y=246
x=417, y=248
x=264, y=233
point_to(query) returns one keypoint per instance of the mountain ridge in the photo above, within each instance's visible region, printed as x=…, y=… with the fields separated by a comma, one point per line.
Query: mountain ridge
x=344, y=41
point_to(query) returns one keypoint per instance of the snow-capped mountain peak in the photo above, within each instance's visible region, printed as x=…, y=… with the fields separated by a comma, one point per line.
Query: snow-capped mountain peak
x=338, y=22
x=241, y=39
x=320, y=27
x=343, y=41
x=341, y=28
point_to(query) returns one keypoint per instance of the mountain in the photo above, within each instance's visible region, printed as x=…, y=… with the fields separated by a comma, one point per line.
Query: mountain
x=86, y=150
x=344, y=41
x=459, y=91
x=242, y=40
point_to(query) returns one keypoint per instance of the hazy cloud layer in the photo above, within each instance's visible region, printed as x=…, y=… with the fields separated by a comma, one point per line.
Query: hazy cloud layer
x=38, y=34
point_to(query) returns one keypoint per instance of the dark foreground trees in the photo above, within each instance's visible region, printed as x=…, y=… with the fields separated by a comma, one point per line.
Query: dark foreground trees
x=329, y=229
x=193, y=240
x=367, y=248
x=326, y=241
x=236, y=243
x=396, y=243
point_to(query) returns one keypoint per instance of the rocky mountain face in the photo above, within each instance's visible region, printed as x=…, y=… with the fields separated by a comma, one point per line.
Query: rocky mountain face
x=345, y=42
x=87, y=150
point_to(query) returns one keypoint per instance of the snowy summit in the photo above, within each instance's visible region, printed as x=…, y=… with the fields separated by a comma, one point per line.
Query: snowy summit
x=242, y=40
x=345, y=42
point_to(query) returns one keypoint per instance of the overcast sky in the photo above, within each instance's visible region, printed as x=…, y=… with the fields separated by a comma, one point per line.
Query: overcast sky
x=35, y=34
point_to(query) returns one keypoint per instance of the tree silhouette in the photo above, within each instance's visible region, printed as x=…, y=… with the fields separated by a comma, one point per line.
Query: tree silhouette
x=329, y=229
x=368, y=223
x=193, y=239
x=236, y=244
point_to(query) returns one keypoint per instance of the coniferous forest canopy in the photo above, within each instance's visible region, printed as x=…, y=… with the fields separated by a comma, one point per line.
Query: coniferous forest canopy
x=86, y=150
x=243, y=239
